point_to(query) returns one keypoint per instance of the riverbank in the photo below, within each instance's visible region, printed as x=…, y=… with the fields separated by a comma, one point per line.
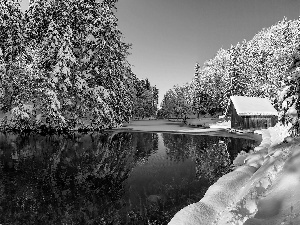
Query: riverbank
x=166, y=126
x=264, y=189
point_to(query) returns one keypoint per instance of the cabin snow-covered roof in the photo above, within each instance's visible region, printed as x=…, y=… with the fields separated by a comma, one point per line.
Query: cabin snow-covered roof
x=248, y=106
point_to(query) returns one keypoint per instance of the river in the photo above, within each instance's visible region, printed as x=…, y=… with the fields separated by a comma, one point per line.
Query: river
x=115, y=177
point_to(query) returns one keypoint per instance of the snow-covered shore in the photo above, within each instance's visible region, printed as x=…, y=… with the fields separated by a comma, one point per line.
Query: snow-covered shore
x=165, y=126
x=263, y=189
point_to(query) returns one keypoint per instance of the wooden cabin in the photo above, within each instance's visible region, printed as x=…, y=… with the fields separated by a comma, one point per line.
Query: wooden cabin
x=251, y=113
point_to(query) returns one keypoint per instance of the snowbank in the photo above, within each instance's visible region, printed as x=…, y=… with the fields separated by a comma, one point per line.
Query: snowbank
x=264, y=189
x=224, y=125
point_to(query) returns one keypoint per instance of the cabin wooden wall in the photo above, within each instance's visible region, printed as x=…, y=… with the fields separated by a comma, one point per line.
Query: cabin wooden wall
x=251, y=122
x=261, y=122
x=236, y=120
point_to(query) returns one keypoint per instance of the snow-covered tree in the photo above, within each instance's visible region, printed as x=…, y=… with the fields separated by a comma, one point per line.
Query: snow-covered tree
x=10, y=48
x=197, y=91
x=145, y=99
x=260, y=67
x=74, y=60
x=169, y=103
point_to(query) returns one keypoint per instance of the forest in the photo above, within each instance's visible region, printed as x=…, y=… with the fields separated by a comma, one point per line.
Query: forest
x=265, y=66
x=63, y=66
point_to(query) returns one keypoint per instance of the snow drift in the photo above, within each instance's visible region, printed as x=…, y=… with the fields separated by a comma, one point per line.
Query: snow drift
x=264, y=189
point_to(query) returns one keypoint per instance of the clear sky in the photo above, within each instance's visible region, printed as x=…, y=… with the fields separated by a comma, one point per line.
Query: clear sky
x=170, y=36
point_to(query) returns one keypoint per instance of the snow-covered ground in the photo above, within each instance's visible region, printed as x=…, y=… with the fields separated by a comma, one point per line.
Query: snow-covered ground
x=263, y=189
x=223, y=124
x=179, y=127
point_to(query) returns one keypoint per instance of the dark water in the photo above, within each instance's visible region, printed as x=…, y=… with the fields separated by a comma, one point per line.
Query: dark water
x=110, y=178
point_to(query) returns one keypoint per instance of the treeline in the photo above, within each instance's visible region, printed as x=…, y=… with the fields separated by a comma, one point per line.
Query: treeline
x=63, y=65
x=266, y=66
x=146, y=100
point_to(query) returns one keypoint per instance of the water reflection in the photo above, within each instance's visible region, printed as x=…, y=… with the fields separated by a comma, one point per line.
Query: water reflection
x=160, y=187
x=59, y=179
x=212, y=155
x=107, y=178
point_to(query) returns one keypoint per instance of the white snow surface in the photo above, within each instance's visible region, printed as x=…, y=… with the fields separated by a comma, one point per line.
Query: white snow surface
x=253, y=106
x=224, y=125
x=263, y=190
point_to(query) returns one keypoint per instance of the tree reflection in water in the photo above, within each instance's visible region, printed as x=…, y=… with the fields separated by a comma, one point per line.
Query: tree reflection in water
x=213, y=155
x=61, y=179
x=80, y=178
